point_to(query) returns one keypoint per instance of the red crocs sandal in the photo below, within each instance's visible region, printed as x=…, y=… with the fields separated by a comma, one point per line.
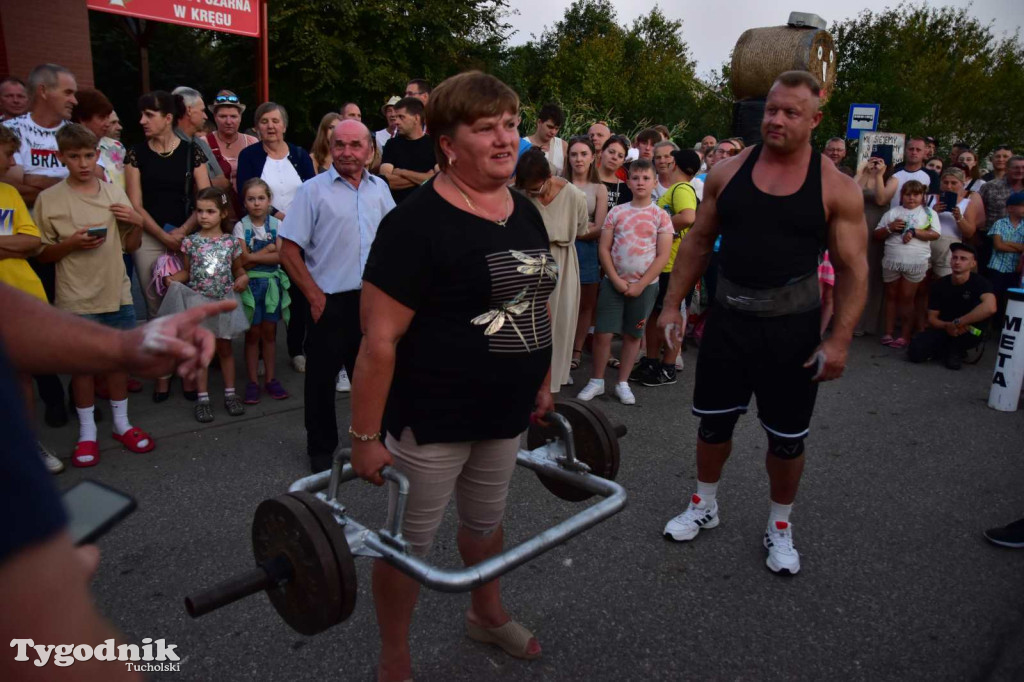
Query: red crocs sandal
x=132, y=437
x=87, y=454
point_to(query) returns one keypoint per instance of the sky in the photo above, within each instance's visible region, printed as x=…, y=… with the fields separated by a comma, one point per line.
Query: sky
x=712, y=27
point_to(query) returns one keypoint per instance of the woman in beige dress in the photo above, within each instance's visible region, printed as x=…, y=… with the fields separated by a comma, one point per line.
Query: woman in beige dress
x=564, y=210
x=878, y=188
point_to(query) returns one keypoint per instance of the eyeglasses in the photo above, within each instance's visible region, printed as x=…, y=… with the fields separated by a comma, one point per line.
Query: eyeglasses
x=226, y=98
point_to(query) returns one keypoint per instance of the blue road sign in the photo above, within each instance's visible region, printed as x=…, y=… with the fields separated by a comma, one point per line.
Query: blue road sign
x=863, y=117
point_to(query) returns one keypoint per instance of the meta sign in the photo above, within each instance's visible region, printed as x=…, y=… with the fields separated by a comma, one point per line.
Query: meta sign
x=230, y=16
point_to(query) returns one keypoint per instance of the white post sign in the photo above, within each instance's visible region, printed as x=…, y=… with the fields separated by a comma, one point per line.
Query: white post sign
x=870, y=140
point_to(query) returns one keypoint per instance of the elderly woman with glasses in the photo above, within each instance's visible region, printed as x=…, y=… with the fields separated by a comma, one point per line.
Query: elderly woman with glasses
x=563, y=207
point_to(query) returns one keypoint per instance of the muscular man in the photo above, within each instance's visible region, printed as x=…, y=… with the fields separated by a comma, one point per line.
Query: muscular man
x=777, y=205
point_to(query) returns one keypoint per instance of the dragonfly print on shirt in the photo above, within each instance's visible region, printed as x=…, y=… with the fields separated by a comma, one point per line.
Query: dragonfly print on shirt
x=517, y=318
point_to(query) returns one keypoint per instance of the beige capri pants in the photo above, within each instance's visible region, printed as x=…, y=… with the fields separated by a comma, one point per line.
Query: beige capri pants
x=478, y=471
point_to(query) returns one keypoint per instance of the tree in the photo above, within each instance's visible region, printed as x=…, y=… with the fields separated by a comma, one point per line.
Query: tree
x=935, y=71
x=598, y=69
x=322, y=53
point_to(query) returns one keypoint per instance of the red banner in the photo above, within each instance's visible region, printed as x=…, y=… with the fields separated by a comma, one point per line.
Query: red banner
x=230, y=16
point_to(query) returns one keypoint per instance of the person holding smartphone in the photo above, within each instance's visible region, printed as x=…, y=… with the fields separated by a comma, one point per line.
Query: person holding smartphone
x=75, y=218
x=43, y=577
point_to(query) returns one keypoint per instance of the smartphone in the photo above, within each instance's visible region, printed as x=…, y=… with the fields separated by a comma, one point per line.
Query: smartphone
x=98, y=231
x=93, y=509
x=948, y=199
x=884, y=152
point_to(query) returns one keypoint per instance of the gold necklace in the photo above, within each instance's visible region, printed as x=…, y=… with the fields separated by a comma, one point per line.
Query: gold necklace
x=476, y=210
x=167, y=153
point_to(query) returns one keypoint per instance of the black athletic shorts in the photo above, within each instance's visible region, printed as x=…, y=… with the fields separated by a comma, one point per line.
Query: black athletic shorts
x=741, y=354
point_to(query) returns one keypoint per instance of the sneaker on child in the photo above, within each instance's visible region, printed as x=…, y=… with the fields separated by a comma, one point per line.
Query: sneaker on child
x=662, y=376
x=624, y=393
x=299, y=364
x=53, y=464
x=594, y=388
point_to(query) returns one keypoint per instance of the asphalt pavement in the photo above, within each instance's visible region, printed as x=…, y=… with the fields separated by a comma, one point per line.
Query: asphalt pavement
x=906, y=466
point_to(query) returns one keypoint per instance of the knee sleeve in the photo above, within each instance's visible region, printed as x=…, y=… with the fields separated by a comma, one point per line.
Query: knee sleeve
x=785, y=448
x=717, y=428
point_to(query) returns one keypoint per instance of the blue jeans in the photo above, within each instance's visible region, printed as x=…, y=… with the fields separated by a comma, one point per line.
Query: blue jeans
x=122, y=318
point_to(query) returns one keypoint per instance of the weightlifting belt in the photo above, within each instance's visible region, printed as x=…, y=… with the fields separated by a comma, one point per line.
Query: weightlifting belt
x=799, y=296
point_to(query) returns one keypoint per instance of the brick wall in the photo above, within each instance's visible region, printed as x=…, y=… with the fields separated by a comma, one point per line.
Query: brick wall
x=37, y=31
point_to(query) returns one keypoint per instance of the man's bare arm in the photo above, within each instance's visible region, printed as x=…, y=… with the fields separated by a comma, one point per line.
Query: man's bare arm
x=848, y=253
x=695, y=249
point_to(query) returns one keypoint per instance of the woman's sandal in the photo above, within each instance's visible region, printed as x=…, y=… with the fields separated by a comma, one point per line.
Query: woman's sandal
x=614, y=363
x=131, y=438
x=575, y=362
x=886, y=340
x=87, y=454
x=512, y=637
x=899, y=343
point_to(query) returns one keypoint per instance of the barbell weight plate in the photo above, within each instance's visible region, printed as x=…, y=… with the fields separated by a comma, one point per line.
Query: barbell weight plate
x=611, y=437
x=311, y=601
x=335, y=534
x=593, y=446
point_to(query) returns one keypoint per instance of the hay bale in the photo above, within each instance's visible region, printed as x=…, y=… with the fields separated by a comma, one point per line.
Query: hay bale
x=761, y=54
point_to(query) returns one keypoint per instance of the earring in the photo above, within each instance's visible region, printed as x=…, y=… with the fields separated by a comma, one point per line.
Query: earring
x=451, y=160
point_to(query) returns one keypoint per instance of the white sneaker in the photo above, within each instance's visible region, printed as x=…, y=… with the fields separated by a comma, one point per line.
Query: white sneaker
x=783, y=558
x=624, y=394
x=679, y=361
x=53, y=465
x=299, y=364
x=594, y=388
x=343, y=385
x=698, y=516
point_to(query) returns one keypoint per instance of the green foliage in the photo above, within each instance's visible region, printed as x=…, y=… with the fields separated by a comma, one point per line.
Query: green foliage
x=935, y=71
x=601, y=70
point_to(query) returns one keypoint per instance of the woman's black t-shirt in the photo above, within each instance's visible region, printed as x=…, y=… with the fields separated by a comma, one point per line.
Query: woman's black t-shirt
x=164, y=194
x=479, y=346
x=618, y=193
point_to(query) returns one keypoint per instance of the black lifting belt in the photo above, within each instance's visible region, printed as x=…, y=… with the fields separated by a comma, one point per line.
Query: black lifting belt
x=799, y=296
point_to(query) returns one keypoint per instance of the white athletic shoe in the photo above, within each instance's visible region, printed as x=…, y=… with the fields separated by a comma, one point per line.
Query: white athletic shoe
x=679, y=361
x=624, y=394
x=594, y=388
x=299, y=364
x=783, y=558
x=343, y=385
x=698, y=516
x=53, y=465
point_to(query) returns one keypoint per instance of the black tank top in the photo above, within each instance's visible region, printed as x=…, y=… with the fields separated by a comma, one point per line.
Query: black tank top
x=769, y=241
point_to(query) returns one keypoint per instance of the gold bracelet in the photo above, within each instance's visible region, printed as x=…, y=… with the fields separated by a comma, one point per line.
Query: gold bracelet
x=363, y=437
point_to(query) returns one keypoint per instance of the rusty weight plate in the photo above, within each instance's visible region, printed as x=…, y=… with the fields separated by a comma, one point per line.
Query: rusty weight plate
x=595, y=443
x=311, y=601
x=335, y=533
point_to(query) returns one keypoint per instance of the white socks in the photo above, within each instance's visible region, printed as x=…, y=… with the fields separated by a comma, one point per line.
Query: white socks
x=120, y=410
x=779, y=513
x=86, y=423
x=707, y=492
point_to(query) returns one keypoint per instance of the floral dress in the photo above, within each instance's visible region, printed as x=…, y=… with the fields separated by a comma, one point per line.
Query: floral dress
x=210, y=280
